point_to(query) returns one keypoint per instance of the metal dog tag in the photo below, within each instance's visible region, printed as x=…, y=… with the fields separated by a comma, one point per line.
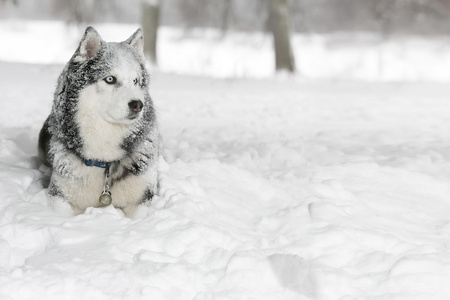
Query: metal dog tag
x=105, y=198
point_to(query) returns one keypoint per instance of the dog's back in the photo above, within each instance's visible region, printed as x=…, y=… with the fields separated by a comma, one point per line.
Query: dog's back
x=44, y=144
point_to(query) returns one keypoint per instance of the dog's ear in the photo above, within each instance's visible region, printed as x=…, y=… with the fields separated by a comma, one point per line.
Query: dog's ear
x=89, y=46
x=136, y=40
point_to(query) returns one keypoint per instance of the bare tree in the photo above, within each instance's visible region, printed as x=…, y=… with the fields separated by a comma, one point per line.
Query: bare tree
x=227, y=12
x=284, y=59
x=385, y=12
x=150, y=22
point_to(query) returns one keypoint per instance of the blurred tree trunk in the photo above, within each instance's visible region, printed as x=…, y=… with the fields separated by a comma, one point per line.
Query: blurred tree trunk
x=226, y=16
x=284, y=59
x=384, y=13
x=150, y=22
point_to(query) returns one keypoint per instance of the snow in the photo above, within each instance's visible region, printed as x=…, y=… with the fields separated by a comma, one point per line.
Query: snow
x=209, y=52
x=276, y=188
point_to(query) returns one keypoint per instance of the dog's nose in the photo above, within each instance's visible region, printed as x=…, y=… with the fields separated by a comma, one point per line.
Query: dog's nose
x=135, y=105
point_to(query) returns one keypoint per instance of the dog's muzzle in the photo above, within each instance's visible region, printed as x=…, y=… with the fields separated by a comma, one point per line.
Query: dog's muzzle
x=135, y=105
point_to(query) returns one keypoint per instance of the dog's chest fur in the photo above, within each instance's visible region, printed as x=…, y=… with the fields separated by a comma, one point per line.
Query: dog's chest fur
x=101, y=140
x=82, y=185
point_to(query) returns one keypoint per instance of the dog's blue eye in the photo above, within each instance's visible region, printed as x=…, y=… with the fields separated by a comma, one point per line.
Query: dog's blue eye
x=135, y=81
x=110, y=80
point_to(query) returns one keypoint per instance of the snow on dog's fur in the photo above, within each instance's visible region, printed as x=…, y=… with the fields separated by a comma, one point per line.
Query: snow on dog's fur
x=102, y=111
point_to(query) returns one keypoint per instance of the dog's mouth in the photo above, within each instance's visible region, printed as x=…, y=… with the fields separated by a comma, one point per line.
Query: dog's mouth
x=128, y=119
x=133, y=115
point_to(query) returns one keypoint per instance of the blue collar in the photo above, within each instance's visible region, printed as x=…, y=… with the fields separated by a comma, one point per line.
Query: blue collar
x=94, y=163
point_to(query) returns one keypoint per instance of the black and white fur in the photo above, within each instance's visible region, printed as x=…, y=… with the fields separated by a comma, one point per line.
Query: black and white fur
x=102, y=111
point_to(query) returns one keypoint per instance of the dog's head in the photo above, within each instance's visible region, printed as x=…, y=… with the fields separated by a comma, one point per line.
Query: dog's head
x=111, y=78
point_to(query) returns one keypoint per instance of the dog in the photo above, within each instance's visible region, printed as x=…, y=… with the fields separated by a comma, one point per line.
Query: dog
x=101, y=138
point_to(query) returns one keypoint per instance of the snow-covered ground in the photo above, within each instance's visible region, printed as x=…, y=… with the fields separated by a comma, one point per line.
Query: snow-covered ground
x=275, y=188
x=271, y=190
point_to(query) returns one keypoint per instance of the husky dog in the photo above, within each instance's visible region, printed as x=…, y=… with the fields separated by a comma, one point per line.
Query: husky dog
x=101, y=136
